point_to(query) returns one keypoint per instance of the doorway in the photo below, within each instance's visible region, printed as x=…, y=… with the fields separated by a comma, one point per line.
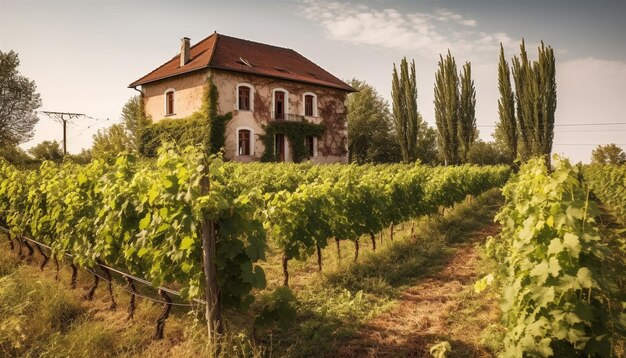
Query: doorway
x=280, y=147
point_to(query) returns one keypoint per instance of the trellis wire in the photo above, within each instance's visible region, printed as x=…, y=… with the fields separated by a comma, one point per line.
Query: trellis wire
x=134, y=278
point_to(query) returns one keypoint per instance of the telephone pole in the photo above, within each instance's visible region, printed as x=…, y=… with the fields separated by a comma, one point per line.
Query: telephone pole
x=63, y=117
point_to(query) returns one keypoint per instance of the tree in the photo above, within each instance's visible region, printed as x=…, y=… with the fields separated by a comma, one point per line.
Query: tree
x=83, y=157
x=486, y=153
x=507, y=125
x=608, y=154
x=370, y=135
x=427, y=145
x=135, y=120
x=111, y=141
x=535, y=91
x=18, y=102
x=405, y=115
x=15, y=155
x=467, y=113
x=47, y=150
x=447, y=108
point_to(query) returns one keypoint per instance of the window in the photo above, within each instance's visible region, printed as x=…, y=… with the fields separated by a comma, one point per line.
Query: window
x=245, y=97
x=280, y=104
x=244, y=142
x=169, y=102
x=309, y=108
x=308, y=105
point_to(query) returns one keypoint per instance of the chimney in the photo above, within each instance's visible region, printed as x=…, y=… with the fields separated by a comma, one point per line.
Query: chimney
x=184, y=51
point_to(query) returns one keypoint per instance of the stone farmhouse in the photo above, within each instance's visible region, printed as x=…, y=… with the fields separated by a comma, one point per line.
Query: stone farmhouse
x=258, y=84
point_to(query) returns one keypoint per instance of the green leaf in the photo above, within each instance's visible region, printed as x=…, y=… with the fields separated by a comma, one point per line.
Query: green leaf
x=145, y=222
x=186, y=243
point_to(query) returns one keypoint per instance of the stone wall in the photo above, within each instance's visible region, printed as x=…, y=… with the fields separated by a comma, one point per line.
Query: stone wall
x=331, y=111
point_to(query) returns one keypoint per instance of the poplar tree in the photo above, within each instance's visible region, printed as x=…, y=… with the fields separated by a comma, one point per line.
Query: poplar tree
x=467, y=113
x=535, y=90
x=545, y=73
x=522, y=74
x=507, y=125
x=447, y=108
x=404, y=102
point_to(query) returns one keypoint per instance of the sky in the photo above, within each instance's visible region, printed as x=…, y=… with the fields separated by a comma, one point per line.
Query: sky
x=83, y=54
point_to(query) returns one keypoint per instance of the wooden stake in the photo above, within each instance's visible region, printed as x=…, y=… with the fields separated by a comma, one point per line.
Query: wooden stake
x=212, y=294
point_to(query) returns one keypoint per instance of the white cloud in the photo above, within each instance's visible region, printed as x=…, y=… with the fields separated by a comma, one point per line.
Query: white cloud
x=388, y=28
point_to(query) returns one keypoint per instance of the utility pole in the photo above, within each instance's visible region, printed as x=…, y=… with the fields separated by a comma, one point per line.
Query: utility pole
x=63, y=117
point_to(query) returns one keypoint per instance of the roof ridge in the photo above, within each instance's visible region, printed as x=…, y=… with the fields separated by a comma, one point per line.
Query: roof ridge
x=168, y=61
x=259, y=43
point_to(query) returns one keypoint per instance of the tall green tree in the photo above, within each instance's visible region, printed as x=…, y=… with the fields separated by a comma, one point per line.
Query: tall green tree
x=507, y=124
x=47, y=150
x=608, y=154
x=405, y=115
x=135, y=120
x=111, y=141
x=447, y=108
x=535, y=91
x=427, y=152
x=467, y=113
x=370, y=134
x=545, y=75
x=18, y=102
x=486, y=153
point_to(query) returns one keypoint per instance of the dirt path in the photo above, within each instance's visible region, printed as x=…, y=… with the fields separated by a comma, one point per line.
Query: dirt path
x=441, y=307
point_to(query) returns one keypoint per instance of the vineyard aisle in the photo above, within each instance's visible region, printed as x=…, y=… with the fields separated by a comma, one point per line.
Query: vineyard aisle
x=442, y=306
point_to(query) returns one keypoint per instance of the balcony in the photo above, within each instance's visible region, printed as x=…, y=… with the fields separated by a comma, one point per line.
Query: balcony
x=289, y=117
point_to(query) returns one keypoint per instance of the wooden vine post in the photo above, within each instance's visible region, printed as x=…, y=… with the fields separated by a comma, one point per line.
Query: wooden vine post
x=213, y=309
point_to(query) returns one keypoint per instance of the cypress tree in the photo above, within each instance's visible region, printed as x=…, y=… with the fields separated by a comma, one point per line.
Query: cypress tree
x=447, y=108
x=467, y=113
x=406, y=118
x=506, y=107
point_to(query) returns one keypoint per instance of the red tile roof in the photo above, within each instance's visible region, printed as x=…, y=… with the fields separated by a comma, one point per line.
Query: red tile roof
x=233, y=54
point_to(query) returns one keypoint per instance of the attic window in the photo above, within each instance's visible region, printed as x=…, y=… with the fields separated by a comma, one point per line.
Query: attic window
x=279, y=69
x=243, y=61
x=312, y=74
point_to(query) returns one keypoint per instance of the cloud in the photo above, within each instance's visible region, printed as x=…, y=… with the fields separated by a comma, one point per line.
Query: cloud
x=389, y=28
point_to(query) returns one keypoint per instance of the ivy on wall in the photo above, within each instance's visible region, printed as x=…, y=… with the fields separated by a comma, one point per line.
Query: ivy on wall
x=295, y=132
x=204, y=126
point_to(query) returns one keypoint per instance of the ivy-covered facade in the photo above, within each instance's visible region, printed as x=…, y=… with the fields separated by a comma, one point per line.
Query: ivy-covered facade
x=276, y=108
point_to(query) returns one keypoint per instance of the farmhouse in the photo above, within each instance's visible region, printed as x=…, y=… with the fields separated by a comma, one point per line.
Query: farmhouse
x=263, y=87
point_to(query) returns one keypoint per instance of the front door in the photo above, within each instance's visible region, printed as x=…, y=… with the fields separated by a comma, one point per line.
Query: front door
x=280, y=147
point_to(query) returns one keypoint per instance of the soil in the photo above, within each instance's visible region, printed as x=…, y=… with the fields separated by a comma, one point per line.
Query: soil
x=425, y=314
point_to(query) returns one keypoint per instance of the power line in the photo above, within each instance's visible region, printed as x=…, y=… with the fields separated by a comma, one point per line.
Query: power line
x=571, y=124
x=584, y=144
x=593, y=130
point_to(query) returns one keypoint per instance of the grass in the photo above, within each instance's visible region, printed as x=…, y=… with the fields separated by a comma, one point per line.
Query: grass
x=43, y=317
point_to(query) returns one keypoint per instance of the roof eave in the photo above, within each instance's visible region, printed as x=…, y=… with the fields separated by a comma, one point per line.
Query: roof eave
x=348, y=88
x=139, y=82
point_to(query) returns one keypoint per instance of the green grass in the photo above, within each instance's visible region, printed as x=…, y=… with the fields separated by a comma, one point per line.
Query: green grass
x=43, y=317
